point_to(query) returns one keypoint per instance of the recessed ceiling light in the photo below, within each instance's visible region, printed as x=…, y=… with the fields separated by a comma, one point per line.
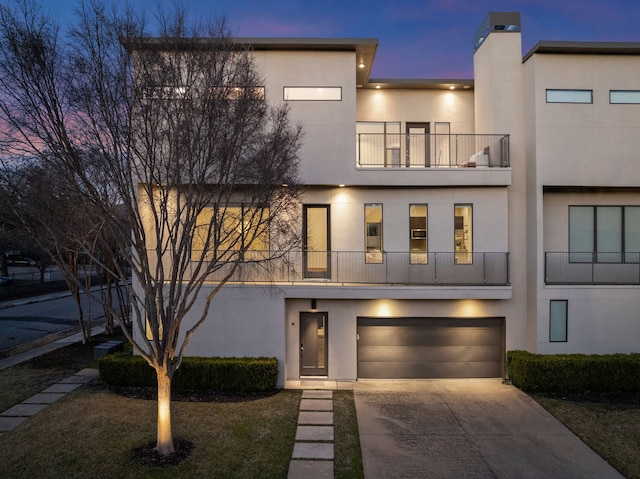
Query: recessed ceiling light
x=341, y=185
x=452, y=87
x=466, y=87
x=361, y=65
x=378, y=87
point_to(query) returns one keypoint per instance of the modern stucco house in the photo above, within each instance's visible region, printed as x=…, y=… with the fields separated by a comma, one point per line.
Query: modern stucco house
x=446, y=222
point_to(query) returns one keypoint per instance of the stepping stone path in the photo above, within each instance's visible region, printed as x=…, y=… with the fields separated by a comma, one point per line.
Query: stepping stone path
x=16, y=415
x=312, y=456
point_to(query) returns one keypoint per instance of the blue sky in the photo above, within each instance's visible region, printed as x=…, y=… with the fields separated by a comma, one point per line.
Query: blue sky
x=417, y=38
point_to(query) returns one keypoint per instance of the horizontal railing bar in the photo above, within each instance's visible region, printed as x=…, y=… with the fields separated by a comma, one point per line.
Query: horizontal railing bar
x=371, y=267
x=592, y=267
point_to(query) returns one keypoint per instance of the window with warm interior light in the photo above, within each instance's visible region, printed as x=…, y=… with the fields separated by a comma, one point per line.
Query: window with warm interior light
x=373, y=232
x=233, y=233
x=463, y=234
x=418, y=236
x=315, y=93
x=378, y=143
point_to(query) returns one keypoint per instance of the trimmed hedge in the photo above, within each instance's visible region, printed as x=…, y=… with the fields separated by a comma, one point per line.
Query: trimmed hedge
x=195, y=373
x=570, y=373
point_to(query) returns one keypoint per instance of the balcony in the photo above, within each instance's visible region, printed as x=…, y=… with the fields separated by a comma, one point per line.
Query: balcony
x=395, y=151
x=377, y=268
x=592, y=268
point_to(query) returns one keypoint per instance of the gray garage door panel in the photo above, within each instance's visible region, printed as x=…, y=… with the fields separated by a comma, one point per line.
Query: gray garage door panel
x=430, y=347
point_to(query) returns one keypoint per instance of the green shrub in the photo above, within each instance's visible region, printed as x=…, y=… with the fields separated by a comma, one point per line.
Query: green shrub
x=566, y=373
x=195, y=373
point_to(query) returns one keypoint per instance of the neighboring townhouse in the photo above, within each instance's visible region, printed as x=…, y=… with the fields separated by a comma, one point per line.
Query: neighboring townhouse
x=446, y=222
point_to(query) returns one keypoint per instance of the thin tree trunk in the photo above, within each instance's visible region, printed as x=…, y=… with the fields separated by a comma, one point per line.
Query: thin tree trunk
x=164, y=442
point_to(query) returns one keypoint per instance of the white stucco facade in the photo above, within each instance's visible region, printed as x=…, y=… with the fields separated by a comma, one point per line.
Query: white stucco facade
x=489, y=265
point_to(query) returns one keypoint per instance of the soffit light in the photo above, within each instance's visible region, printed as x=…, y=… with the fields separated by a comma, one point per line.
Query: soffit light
x=378, y=87
x=452, y=87
x=361, y=65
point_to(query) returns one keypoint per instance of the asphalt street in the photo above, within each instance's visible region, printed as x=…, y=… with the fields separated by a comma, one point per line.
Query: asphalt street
x=25, y=320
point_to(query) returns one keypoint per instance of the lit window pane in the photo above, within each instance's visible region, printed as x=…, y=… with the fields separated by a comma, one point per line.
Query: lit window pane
x=558, y=321
x=463, y=234
x=569, y=96
x=373, y=233
x=418, y=238
x=295, y=93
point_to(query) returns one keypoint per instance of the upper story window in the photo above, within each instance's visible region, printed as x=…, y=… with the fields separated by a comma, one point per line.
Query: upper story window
x=606, y=234
x=378, y=143
x=463, y=234
x=313, y=93
x=569, y=96
x=373, y=232
x=624, y=96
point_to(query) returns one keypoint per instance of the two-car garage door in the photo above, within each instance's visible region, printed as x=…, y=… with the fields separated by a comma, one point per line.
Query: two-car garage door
x=403, y=348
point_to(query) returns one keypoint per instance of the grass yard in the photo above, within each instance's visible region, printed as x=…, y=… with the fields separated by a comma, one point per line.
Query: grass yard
x=91, y=432
x=611, y=428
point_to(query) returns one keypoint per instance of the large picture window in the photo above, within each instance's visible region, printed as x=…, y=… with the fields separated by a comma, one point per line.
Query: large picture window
x=231, y=233
x=606, y=234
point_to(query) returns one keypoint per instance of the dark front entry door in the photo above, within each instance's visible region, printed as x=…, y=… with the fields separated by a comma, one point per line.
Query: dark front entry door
x=418, y=144
x=313, y=344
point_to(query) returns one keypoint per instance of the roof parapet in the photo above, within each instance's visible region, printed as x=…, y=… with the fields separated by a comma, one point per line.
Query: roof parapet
x=496, y=22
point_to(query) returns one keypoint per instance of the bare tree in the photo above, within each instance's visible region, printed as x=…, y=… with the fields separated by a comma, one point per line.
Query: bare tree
x=175, y=131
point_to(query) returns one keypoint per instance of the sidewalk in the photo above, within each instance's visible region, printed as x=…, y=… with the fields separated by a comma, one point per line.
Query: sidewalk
x=16, y=415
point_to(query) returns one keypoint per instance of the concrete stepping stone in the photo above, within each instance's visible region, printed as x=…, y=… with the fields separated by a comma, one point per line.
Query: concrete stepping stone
x=310, y=470
x=316, y=405
x=317, y=394
x=62, y=388
x=24, y=410
x=10, y=423
x=93, y=372
x=315, y=418
x=312, y=450
x=314, y=433
x=44, y=398
x=76, y=379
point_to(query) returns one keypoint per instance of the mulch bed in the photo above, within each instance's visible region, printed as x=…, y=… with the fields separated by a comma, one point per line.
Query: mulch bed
x=192, y=396
x=148, y=456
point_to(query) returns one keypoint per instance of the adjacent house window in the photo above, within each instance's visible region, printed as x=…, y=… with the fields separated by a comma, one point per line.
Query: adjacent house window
x=569, y=96
x=231, y=233
x=606, y=234
x=373, y=232
x=418, y=237
x=378, y=143
x=624, y=96
x=313, y=93
x=463, y=234
x=558, y=320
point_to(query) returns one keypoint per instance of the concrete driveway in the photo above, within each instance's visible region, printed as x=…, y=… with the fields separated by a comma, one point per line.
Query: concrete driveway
x=465, y=428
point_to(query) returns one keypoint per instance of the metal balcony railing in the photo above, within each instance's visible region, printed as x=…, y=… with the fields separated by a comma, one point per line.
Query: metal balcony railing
x=396, y=150
x=374, y=268
x=592, y=268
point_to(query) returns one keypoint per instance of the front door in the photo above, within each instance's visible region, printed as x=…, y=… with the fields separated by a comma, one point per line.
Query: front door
x=313, y=344
x=316, y=246
x=417, y=145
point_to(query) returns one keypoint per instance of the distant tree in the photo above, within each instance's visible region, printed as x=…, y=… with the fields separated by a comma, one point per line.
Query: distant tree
x=175, y=131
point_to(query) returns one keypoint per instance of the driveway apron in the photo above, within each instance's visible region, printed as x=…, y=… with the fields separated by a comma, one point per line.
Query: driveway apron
x=475, y=428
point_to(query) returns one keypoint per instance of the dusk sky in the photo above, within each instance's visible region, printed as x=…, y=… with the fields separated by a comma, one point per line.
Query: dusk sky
x=417, y=38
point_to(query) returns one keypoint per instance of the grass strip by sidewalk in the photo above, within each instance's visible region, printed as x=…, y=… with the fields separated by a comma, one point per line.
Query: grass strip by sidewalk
x=611, y=429
x=348, y=457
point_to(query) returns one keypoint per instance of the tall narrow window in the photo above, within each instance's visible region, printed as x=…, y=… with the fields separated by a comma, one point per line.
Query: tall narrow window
x=418, y=237
x=463, y=234
x=373, y=232
x=558, y=320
